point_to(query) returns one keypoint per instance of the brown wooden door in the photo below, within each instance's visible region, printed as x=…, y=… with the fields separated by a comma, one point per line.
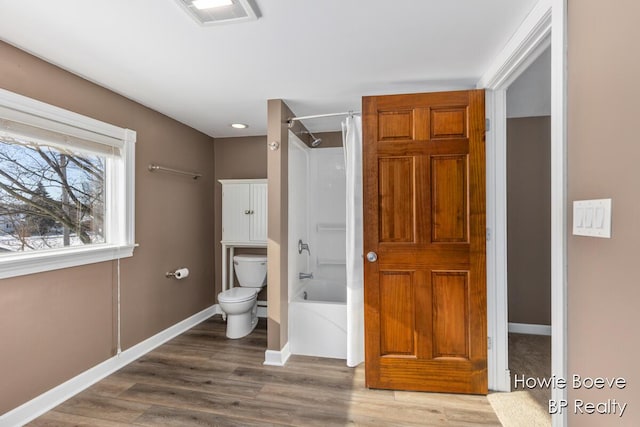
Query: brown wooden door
x=424, y=217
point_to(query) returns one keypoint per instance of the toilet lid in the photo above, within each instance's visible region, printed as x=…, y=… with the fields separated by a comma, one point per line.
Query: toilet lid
x=237, y=295
x=250, y=258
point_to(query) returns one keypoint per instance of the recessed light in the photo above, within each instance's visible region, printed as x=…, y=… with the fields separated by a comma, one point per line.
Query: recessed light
x=210, y=4
x=239, y=126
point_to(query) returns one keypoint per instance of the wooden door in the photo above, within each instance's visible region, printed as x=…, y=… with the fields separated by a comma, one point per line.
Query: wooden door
x=424, y=218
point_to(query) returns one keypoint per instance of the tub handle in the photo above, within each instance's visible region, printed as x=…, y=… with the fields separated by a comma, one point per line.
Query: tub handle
x=303, y=247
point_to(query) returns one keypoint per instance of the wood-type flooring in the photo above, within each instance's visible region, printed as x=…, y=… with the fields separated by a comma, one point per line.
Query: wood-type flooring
x=201, y=378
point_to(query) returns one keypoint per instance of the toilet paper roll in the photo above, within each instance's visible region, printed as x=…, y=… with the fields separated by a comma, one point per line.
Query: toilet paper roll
x=181, y=273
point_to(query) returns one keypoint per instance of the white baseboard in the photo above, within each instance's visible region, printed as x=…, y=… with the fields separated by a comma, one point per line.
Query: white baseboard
x=216, y=309
x=52, y=398
x=507, y=381
x=277, y=358
x=531, y=329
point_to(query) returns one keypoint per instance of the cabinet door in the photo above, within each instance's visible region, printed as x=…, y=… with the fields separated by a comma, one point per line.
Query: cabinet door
x=236, y=217
x=259, y=216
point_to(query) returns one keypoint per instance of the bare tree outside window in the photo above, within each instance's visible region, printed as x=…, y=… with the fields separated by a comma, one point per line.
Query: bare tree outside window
x=49, y=198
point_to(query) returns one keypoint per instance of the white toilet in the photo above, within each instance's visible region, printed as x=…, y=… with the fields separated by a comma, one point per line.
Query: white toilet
x=240, y=304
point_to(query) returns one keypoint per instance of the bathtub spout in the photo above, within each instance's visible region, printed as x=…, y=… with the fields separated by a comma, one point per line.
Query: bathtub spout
x=305, y=276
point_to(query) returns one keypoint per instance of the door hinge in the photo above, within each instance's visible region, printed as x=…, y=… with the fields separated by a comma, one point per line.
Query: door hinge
x=487, y=125
x=488, y=234
x=489, y=343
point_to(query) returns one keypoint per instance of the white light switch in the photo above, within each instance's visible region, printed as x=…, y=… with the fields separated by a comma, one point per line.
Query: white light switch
x=592, y=218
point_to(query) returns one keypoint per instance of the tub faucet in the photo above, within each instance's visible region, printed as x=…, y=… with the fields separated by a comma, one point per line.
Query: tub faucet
x=305, y=276
x=303, y=247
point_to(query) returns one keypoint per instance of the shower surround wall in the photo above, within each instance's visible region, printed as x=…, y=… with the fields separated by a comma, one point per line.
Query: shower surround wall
x=327, y=213
x=298, y=212
x=317, y=211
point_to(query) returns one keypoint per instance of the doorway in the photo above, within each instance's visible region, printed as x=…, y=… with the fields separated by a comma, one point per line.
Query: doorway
x=531, y=39
x=529, y=236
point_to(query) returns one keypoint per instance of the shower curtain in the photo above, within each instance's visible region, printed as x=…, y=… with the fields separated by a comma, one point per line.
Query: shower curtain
x=352, y=141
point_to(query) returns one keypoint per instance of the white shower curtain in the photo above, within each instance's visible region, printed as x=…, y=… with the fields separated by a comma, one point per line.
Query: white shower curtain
x=352, y=141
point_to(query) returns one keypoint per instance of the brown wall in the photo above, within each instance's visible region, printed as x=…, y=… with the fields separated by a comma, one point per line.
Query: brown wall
x=603, y=153
x=529, y=219
x=277, y=234
x=57, y=324
x=236, y=158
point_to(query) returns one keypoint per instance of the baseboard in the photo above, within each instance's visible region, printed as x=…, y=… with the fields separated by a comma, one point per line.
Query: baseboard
x=531, y=329
x=507, y=380
x=52, y=398
x=277, y=358
x=502, y=383
x=216, y=309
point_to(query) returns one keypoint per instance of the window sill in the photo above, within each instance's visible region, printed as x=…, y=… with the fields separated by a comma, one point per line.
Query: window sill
x=37, y=262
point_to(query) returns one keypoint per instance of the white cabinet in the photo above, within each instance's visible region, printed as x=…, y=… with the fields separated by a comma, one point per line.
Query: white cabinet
x=244, y=211
x=244, y=220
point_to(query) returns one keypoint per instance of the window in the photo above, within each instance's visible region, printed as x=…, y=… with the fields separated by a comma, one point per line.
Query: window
x=66, y=188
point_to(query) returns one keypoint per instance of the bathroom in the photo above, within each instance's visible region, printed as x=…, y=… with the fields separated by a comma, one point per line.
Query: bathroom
x=316, y=213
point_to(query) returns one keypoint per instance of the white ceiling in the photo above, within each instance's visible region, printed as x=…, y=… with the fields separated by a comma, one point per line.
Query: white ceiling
x=321, y=56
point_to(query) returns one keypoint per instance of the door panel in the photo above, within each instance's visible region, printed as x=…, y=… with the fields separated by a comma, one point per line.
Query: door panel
x=449, y=197
x=395, y=125
x=450, y=314
x=396, y=199
x=259, y=212
x=235, y=223
x=424, y=215
x=448, y=122
x=396, y=321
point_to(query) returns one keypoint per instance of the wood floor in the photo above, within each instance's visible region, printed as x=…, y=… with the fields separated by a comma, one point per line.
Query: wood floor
x=201, y=378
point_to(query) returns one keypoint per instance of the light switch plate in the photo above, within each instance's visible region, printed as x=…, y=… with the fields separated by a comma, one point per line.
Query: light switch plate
x=592, y=218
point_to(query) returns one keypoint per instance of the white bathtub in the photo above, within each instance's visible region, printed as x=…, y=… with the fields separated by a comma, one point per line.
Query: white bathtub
x=318, y=320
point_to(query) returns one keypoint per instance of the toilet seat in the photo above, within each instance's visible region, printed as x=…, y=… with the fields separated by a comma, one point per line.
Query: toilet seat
x=237, y=295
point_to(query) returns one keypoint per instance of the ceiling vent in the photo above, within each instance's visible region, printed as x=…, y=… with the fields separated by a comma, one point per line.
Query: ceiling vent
x=210, y=12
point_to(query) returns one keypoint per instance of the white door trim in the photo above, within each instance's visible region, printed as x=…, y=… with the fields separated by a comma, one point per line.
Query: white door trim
x=532, y=37
x=497, y=304
x=559, y=203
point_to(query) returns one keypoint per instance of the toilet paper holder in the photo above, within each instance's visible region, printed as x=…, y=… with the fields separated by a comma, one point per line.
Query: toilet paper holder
x=180, y=273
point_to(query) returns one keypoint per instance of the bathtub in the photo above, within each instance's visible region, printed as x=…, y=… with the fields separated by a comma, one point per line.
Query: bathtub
x=318, y=320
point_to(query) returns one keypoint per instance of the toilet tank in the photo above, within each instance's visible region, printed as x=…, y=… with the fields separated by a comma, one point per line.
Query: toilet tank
x=251, y=270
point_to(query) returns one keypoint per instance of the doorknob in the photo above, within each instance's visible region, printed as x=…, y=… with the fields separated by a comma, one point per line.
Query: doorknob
x=372, y=257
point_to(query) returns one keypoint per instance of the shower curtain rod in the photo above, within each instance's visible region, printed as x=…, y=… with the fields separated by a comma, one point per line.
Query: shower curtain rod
x=317, y=116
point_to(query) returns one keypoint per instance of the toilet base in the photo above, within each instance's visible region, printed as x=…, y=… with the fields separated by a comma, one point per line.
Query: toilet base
x=241, y=325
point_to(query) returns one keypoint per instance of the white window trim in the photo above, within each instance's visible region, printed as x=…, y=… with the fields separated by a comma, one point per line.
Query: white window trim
x=121, y=232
